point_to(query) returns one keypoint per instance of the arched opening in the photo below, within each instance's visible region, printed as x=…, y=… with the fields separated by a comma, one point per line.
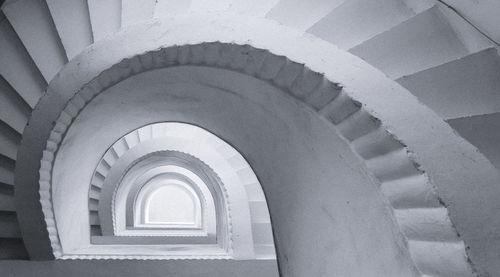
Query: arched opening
x=295, y=179
x=168, y=203
x=170, y=184
x=314, y=102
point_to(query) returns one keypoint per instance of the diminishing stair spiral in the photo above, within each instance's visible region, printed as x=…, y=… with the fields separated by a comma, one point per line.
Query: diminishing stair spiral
x=419, y=45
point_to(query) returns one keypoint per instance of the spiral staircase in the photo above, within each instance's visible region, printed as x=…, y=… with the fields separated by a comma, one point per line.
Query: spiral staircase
x=423, y=45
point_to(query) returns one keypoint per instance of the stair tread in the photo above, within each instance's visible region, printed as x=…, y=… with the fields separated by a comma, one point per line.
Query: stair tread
x=462, y=87
x=424, y=41
x=34, y=26
x=14, y=111
x=9, y=227
x=483, y=131
x=355, y=21
x=105, y=17
x=17, y=67
x=7, y=166
x=9, y=141
x=7, y=201
x=12, y=248
x=254, y=7
x=72, y=22
x=291, y=12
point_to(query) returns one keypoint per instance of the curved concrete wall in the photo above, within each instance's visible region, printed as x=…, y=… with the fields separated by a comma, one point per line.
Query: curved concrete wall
x=321, y=200
x=397, y=109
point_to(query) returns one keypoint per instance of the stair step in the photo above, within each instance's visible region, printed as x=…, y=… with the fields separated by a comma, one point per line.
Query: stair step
x=9, y=141
x=265, y=251
x=483, y=131
x=340, y=108
x=34, y=26
x=7, y=199
x=423, y=41
x=145, y=133
x=134, y=11
x=411, y=192
x=259, y=211
x=446, y=259
x=95, y=230
x=120, y=147
x=170, y=7
x=426, y=224
x=291, y=12
x=247, y=176
x=98, y=180
x=288, y=74
x=254, y=193
x=262, y=233
x=376, y=143
x=236, y=161
x=105, y=17
x=356, y=21
x=357, y=125
x=6, y=189
x=110, y=157
x=271, y=66
x=7, y=166
x=14, y=111
x=17, y=67
x=307, y=82
x=95, y=193
x=12, y=249
x=254, y=8
x=93, y=204
x=103, y=168
x=392, y=166
x=72, y=21
x=9, y=227
x=463, y=87
x=94, y=218
x=131, y=140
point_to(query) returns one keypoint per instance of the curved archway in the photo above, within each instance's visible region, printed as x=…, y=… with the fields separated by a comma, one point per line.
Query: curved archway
x=383, y=171
x=225, y=182
x=190, y=73
x=187, y=190
x=182, y=209
x=353, y=122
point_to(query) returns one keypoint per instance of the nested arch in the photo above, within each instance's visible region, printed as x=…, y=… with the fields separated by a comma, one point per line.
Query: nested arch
x=168, y=203
x=327, y=98
x=184, y=193
x=142, y=159
x=374, y=80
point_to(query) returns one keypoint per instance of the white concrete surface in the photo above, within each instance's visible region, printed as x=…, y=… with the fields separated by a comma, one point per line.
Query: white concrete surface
x=72, y=21
x=34, y=26
x=464, y=87
x=421, y=42
x=360, y=81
